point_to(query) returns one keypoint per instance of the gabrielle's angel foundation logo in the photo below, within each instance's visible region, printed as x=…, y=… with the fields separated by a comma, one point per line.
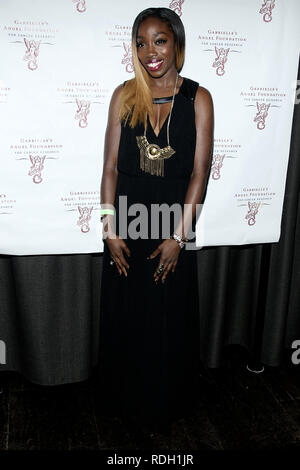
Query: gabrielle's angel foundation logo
x=127, y=58
x=176, y=5
x=226, y=149
x=83, y=109
x=220, y=60
x=80, y=5
x=216, y=165
x=264, y=99
x=84, y=219
x=36, y=168
x=252, y=211
x=219, y=43
x=254, y=199
x=266, y=10
x=32, y=51
x=82, y=204
x=262, y=113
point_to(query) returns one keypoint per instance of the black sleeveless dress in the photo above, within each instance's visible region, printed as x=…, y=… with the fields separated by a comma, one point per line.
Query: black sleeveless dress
x=149, y=333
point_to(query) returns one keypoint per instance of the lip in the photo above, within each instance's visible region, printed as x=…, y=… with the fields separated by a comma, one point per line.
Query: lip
x=159, y=64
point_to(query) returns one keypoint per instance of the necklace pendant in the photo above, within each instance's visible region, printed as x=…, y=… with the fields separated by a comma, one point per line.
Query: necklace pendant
x=152, y=156
x=153, y=151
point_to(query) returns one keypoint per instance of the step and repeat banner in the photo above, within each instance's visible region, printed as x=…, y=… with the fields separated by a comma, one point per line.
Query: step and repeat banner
x=60, y=62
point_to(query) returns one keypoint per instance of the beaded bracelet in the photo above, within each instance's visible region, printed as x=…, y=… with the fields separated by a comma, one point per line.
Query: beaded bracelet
x=181, y=241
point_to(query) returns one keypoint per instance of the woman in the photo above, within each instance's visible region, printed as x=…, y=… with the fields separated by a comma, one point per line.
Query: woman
x=157, y=151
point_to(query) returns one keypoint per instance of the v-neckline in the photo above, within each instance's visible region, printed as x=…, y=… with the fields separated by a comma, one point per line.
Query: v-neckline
x=148, y=117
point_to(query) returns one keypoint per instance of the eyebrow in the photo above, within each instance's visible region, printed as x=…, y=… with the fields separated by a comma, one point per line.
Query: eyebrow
x=156, y=34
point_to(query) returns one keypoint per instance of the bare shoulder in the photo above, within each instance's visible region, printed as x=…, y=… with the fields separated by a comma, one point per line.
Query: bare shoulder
x=203, y=97
x=114, y=106
x=118, y=90
x=204, y=109
x=115, y=97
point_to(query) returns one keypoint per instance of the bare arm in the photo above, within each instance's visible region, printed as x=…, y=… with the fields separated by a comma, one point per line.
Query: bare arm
x=109, y=182
x=204, y=121
x=111, y=147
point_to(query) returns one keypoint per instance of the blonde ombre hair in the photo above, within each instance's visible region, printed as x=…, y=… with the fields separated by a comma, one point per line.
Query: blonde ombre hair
x=136, y=98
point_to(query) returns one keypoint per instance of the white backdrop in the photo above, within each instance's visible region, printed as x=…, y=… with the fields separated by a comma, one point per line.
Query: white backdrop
x=60, y=62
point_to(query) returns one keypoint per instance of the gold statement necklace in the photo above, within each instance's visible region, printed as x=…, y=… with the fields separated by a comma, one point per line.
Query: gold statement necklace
x=151, y=155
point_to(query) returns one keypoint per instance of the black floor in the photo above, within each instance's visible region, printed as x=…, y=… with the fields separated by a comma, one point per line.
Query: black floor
x=237, y=410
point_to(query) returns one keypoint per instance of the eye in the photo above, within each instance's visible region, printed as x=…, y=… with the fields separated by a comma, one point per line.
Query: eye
x=158, y=41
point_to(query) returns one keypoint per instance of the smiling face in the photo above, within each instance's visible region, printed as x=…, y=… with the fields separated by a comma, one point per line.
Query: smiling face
x=155, y=47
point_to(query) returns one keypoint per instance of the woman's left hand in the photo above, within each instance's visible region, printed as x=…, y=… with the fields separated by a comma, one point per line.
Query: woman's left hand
x=169, y=251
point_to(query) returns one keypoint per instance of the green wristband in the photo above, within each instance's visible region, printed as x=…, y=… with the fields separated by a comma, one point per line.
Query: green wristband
x=107, y=211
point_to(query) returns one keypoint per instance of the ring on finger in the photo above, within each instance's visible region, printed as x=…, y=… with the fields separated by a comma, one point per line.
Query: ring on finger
x=159, y=269
x=166, y=271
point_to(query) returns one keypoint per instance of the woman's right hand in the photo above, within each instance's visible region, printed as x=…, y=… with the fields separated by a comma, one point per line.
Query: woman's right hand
x=116, y=246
